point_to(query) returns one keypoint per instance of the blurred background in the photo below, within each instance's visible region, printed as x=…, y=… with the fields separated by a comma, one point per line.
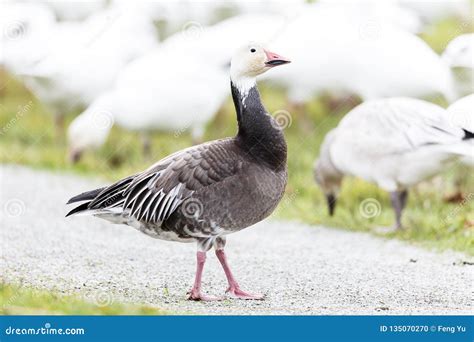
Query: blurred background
x=105, y=88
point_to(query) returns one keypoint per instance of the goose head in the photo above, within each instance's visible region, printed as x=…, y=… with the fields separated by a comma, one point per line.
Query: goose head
x=253, y=60
x=460, y=52
x=88, y=131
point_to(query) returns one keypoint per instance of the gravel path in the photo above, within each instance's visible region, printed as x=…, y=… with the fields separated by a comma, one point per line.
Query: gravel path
x=302, y=269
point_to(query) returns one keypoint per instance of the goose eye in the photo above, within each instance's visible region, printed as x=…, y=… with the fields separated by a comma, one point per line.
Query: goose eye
x=252, y=50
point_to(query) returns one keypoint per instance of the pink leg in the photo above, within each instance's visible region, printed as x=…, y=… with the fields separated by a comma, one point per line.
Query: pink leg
x=195, y=293
x=234, y=288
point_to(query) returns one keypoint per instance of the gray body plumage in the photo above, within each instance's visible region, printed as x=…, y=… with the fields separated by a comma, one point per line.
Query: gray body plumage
x=206, y=191
x=210, y=190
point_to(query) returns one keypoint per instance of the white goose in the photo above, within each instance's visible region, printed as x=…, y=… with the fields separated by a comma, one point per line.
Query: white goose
x=395, y=143
x=163, y=90
x=85, y=58
x=357, y=53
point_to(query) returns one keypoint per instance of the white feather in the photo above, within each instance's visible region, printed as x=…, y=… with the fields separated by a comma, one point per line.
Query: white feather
x=81, y=59
x=396, y=142
x=357, y=52
x=151, y=95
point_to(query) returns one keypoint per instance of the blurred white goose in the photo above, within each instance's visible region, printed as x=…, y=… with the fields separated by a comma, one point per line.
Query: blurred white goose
x=286, y=8
x=85, y=58
x=24, y=28
x=215, y=44
x=459, y=55
x=383, y=11
x=193, y=17
x=163, y=90
x=462, y=114
x=174, y=16
x=460, y=51
x=357, y=53
x=74, y=10
x=395, y=143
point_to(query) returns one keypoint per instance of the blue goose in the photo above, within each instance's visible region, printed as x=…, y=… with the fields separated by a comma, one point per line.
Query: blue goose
x=205, y=192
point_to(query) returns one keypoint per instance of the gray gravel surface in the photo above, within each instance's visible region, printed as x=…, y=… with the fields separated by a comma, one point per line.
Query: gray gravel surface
x=302, y=269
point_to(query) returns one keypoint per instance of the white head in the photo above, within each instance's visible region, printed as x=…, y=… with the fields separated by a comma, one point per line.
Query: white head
x=460, y=52
x=251, y=61
x=88, y=131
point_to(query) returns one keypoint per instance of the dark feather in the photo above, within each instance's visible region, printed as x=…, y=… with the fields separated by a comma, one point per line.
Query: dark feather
x=85, y=196
x=233, y=182
x=468, y=135
x=82, y=207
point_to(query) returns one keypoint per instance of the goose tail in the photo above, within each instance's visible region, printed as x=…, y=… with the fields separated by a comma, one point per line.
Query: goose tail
x=85, y=196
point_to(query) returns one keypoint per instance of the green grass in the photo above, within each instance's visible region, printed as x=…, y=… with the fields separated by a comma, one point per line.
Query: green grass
x=438, y=36
x=17, y=300
x=28, y=136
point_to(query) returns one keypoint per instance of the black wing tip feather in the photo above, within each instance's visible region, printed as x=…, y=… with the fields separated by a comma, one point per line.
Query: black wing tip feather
x=468, y=135
x=85, y=196
x=82, y=207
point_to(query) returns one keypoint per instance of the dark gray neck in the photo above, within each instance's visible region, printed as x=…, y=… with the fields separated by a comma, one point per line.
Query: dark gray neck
x=258, y=135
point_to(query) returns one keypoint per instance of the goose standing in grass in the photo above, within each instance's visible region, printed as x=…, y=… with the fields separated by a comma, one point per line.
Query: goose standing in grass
x=83, y=59
x=207, y=191
x=395, y=143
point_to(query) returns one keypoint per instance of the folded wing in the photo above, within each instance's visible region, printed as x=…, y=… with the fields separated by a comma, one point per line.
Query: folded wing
x=153, y=195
